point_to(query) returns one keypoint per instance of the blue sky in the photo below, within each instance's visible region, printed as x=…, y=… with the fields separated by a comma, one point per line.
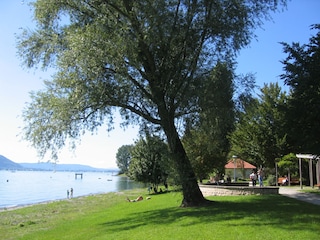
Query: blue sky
x=262, y=58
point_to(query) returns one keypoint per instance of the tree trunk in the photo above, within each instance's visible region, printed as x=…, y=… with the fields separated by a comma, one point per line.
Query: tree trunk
x=192, y=195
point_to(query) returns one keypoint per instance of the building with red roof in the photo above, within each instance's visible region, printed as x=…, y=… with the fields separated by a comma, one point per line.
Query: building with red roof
x=238, y=168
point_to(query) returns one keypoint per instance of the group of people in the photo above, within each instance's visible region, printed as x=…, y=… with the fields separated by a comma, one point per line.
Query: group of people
x=257, y=175
x=217, y=179
x=70, y=193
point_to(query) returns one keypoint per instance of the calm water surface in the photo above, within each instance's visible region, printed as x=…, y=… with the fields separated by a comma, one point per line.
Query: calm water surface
x=29, y=187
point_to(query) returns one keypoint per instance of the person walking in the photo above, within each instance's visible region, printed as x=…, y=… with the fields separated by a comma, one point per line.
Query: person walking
x=260, y=177
x=253, y=177
x=71, y=193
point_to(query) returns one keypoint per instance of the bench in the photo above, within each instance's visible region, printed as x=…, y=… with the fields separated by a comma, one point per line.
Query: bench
x=295, y=181
x=317, y=185
x=281, y=181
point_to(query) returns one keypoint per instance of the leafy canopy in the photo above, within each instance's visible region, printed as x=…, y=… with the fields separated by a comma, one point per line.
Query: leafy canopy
x=150, y=161
x=146, y=58
x=123, y=157
x=205, y=139
x=260, y=136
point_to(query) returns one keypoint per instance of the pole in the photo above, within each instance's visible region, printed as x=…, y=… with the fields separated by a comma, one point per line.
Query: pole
x=234, y=170
x=234, y=167
x=311, y=173
x=300, y=173
x=276, y=165
x=318, y=172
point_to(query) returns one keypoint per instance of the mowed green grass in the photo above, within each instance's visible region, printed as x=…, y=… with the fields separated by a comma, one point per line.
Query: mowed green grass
x=110, y=216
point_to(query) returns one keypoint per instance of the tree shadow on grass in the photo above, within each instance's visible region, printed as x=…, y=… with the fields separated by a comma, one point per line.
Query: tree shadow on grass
x=273, y=210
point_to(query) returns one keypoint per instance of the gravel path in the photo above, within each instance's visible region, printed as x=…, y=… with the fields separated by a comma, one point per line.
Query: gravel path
x=294, y=192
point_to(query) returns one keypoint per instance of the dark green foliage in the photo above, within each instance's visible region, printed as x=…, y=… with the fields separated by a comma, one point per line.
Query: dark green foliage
x=123, y=157
x=205, y=139
x=288, y=164
x=150, y=161
x=302, y=75
x=260, y=136
x=272, y=180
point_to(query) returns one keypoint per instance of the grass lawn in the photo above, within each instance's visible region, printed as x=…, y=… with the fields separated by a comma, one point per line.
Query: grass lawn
x=109, y=216
x=311, y=190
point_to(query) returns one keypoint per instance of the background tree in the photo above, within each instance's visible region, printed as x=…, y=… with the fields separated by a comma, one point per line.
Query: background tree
x=260, y=135
x=273, y=135
x=205, y=138
x=150, y=163
x=201, y=152
x=302, y=75
x=244, y=138
x=123, y=157
x=144, y=58
x=288, y=165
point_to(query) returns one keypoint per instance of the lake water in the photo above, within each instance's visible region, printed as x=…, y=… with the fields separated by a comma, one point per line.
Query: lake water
x=29, y=187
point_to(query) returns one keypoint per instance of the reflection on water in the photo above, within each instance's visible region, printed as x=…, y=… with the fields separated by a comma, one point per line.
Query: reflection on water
x=28, y=187
x=124, y=183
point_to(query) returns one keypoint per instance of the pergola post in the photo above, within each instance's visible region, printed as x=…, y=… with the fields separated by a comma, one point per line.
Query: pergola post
x=311, y=158
x=311, y=173
x=318, y=172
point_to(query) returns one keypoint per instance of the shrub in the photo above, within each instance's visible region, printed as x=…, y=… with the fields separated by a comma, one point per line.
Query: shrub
x=271, y=180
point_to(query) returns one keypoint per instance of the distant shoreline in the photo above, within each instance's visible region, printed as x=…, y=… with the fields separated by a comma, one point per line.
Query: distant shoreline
x=116, y=171
x=9, y=165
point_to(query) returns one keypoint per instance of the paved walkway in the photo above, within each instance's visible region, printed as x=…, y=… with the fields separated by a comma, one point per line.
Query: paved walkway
x=294, y=192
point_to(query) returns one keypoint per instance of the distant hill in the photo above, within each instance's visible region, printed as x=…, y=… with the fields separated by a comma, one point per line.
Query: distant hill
x=61, y=167
x=6, y=163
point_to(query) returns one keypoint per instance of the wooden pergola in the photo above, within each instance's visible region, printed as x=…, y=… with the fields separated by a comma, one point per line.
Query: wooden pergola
x=311, y=158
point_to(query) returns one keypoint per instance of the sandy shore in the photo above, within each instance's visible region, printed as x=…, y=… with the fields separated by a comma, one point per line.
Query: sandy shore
x=50, y=201
x=28, y=205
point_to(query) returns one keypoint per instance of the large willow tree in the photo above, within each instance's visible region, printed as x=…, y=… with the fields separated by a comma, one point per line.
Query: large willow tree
x=145, y=58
